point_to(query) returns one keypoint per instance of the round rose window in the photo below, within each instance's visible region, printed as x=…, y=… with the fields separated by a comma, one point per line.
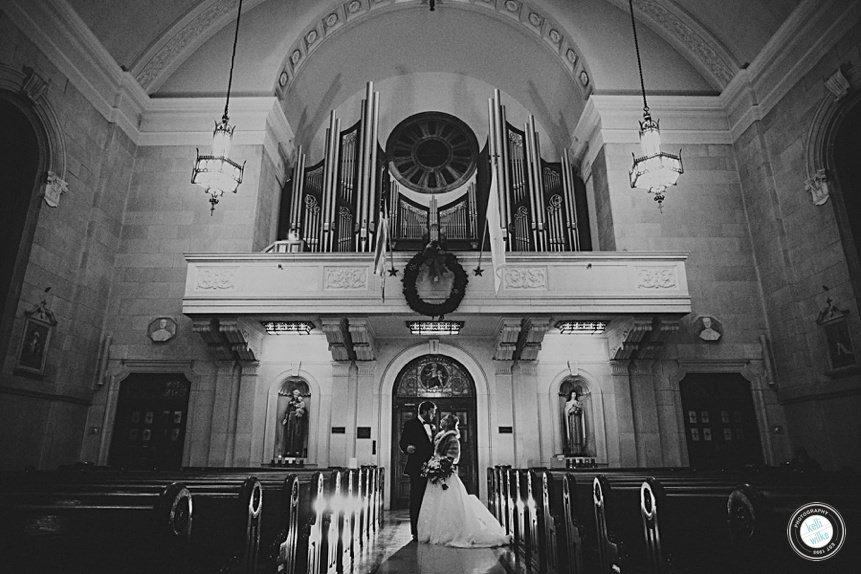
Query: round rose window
x=432, y=152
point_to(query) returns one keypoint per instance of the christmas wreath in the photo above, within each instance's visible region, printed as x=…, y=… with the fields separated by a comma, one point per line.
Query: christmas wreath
x=438, y=259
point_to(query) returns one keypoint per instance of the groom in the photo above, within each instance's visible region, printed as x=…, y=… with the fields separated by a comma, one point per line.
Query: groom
x=417, y=443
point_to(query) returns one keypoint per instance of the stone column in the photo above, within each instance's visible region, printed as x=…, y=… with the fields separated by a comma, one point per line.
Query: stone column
x=250, y=418
x=525, y=408
x=367, y=412
x=342, y=406
x=620, y=409
x=645, y=414
x=501, y=403
x=225, y=400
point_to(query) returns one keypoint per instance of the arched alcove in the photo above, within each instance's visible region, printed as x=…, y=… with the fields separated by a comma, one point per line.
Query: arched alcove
x=293, y=413
x=32, y=146
x=831, y=153
x=577, y=415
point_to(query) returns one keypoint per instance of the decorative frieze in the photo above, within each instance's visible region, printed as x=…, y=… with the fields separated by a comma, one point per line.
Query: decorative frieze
x=657, y=278
x=346, y=278
x=354, y=11
x=525, y=278
x=187, y=34
x=216, y=278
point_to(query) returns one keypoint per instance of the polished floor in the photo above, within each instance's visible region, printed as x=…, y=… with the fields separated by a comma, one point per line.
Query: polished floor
x=394, y=551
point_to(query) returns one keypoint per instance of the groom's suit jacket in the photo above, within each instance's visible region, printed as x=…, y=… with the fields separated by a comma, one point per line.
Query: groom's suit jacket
x=414, y=434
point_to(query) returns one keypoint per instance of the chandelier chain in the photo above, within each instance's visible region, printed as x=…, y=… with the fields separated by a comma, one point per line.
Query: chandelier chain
x=224, y=118
x=639, y=63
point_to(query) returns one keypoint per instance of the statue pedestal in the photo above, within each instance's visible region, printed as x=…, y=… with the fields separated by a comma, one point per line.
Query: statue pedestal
x=581, y=462
x=565, y=461
x=288, y=461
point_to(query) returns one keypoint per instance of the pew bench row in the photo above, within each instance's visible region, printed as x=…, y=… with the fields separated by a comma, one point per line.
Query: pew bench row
x=663, y=521
x=201, y=520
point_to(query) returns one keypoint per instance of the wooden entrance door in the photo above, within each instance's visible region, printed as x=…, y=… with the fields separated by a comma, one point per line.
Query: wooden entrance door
x=149, y=430
x=720, y=421
x=448, y=384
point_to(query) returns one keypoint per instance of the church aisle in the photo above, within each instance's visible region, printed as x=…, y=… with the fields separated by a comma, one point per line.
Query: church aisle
x=395, y=552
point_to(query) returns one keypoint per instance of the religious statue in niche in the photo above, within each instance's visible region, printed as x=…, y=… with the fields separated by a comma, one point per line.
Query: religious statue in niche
x=294, y=423
x=575, y=423
x=577, y=426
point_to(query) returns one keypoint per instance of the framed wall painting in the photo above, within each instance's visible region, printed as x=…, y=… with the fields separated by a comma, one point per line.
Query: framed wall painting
x=33, y=349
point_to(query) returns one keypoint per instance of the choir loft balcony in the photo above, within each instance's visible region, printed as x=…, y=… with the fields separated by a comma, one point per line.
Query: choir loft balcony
x=632, y=291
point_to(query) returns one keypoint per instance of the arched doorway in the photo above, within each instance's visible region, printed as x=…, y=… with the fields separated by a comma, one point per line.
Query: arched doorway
x=447, y=383
x=20, y=153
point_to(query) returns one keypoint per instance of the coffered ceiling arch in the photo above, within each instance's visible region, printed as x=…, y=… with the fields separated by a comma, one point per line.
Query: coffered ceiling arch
x=703, y=44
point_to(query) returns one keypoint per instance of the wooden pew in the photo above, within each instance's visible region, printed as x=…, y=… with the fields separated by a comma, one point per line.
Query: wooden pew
x=227, y=528
x=554, y=524
x=534, y=508
x=684, y=523
x=759, y=518
x=135, y=530
x=290, y=524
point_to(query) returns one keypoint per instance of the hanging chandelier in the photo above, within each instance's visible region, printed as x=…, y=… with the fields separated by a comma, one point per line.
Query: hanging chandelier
x=217, y=173
x=654, y=170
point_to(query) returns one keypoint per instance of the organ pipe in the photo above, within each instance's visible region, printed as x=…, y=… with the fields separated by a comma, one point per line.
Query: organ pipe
x=330, y=182
x=534, y=207
x=297, y=192
x=536, y=184
x=504, y=183
x=570, y=206
x=371, y=212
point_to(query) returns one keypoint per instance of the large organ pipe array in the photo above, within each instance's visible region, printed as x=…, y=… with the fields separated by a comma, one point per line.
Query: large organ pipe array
x=538, y=200
x=333, y=206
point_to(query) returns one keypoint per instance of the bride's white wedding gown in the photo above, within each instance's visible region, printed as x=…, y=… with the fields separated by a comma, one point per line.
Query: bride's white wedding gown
x=452, y=516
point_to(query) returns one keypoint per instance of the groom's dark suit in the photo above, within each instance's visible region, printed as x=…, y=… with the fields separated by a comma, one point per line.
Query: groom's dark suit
x=414, y=433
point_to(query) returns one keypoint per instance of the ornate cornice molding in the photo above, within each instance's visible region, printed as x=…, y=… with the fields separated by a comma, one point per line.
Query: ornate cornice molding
x=706, y=52
x=183, y=38
x=808, y=34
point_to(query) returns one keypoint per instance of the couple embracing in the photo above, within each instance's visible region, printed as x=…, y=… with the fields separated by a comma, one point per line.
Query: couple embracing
x=441, y=511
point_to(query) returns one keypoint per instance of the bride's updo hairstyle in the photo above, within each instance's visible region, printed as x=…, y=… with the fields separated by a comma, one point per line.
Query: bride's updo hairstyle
x=449, y=422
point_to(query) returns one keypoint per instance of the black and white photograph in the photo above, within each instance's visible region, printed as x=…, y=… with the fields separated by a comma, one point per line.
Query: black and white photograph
x=430, y=286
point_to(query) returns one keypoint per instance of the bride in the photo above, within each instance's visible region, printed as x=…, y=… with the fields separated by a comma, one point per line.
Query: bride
x=449, y=515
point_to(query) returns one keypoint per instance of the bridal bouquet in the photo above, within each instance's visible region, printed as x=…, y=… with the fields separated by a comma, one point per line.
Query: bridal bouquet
x=438, y=469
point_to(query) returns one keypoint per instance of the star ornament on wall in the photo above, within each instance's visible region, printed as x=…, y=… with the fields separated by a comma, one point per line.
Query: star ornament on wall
x=478, y=271
x=393, y=272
